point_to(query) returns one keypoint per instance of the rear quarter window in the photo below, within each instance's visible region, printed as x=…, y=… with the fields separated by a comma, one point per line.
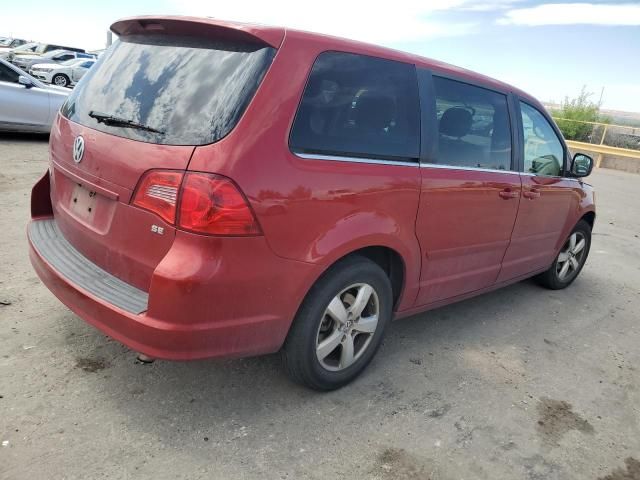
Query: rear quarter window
x=358, y=106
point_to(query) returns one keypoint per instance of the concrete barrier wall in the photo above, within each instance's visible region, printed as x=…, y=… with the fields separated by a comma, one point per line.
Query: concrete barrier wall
x=609, y=157
x=611, y=146
x=621, y=163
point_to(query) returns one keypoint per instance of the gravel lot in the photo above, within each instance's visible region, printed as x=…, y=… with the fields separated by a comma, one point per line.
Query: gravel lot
x=522, y=383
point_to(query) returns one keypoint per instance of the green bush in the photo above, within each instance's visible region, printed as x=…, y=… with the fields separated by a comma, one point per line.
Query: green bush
x=583, y=109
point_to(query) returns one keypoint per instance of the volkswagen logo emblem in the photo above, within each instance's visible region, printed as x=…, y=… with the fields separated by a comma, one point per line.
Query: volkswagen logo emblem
x=78, y=149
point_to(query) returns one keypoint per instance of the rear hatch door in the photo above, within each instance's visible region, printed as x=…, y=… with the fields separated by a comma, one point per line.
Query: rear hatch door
x=91, y=199
x=145, y=105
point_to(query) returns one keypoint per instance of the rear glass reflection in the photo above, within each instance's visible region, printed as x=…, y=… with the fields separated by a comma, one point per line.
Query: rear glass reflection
x=191, y=90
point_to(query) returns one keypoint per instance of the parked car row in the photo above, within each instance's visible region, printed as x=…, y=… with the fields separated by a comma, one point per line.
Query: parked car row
x=50, y=63
x=10, y=50
x=7, y=53
x=64, y=74
x=27, y=103
x=26, y=61
x=11, y=46
x=7, y=42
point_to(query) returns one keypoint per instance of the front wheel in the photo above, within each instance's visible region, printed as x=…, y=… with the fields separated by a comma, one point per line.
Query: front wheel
x=570, y=260
x=60, y=80
x=340, y=325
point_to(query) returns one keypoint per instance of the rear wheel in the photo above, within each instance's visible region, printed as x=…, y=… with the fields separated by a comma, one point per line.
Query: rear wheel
x=340, y=325
x=570, y=260
x=61, y=80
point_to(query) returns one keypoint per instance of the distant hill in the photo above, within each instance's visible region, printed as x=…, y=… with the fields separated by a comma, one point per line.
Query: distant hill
x=617, y=117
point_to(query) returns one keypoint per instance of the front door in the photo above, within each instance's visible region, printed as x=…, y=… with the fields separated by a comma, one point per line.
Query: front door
x=470, y=192
x=548, y=198
x=21, y=107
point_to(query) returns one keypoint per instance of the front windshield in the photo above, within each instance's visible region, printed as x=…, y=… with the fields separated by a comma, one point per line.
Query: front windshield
x=26, y=46
x=5, y=41
x=52, y=53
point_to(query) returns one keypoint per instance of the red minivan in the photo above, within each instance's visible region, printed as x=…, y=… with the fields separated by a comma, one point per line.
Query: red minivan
x=219, y=189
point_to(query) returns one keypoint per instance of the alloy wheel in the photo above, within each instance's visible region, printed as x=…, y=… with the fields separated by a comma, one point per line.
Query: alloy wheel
x=347, y=327
x=571, y=256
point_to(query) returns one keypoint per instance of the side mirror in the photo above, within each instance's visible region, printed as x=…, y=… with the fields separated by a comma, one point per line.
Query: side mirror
x=26, y=81
x=581, y=165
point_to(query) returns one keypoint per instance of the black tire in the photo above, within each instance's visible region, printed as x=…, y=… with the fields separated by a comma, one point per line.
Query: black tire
x=62, y=78
x=551, y=278
x=299, y=351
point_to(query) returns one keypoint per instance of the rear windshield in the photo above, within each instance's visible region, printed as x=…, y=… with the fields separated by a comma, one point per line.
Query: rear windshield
x=184, y=90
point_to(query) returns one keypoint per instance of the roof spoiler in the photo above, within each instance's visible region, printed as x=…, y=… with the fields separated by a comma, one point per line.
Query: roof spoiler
x=199, y=27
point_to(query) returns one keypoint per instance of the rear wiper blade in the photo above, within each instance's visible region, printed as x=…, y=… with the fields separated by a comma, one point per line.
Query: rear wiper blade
x=120, y=122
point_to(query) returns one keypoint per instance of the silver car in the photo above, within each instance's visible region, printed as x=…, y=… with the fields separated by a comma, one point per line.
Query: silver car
x=26, y=104
x=55, y=56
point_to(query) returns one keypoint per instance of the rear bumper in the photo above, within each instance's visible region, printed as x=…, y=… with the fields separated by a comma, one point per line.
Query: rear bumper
x=192, y=313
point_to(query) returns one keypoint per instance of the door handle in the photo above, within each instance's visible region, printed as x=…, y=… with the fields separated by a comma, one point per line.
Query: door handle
x=507, y=193
x=531, y=194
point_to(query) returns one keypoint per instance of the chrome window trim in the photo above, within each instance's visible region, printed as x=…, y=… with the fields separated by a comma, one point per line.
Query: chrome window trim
x=529, y=174
x=377, y=161
x=473, y=169
x=340, y=158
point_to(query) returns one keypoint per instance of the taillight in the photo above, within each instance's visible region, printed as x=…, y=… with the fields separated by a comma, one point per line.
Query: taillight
x=213, y=204
x=202, y=202
x=158, y=193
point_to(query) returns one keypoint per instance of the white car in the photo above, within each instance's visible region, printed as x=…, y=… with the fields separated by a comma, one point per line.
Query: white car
x=9, y=53
x=6, y=42
x=26, y=104
x=62, y=74
x=25, y=62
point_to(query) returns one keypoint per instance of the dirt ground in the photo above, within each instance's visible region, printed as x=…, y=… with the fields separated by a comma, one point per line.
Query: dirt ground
x=521, y=383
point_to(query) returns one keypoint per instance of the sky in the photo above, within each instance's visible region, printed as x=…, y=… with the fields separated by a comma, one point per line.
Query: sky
x=548, y=49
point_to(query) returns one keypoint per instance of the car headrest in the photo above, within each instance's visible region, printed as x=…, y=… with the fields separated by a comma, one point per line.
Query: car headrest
x=456, y=122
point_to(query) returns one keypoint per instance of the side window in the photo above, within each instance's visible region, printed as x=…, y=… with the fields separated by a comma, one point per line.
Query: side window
x=8, y=75
x=359, y=106
x=86, y=64
x=543, y=152
x=473, y=126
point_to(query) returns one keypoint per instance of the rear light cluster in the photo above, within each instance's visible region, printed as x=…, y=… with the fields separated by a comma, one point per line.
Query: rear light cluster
x=198, y=202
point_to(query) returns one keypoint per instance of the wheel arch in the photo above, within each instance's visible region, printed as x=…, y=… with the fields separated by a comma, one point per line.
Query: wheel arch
x=590, y=218
x=389, y=259
x=391, y=262
x=60, y=74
